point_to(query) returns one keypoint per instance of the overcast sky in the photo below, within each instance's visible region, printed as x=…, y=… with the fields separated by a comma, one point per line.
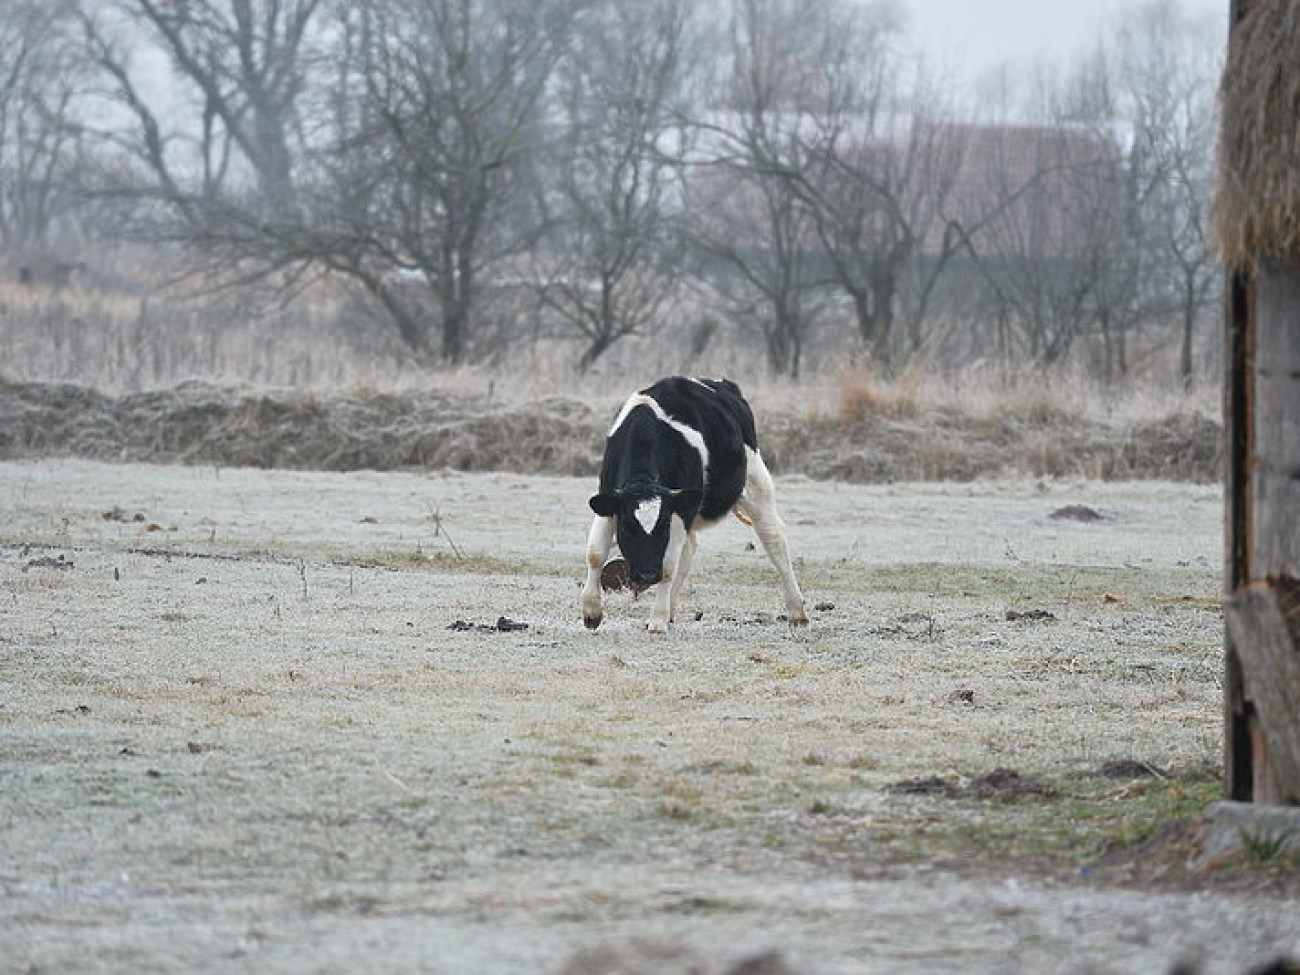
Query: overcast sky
x=981, y=34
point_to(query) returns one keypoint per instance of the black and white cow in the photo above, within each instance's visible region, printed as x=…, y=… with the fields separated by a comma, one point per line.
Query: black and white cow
x=680, y=456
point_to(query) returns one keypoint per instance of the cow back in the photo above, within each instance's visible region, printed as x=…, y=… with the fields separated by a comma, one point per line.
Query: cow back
x=718, y=411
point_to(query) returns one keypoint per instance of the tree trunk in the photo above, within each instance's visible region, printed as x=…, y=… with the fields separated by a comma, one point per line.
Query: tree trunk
x=1186, y=367
x=410, y=327
x=457, y=295
x=454, y=330
x=597, y=347
x=884, y=287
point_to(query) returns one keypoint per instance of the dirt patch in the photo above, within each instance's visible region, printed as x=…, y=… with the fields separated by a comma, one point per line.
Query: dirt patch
x=504, y=624
x=1128, y=769
x=1002, y=784
x=642, y=957
x=202, y=423
x=1030, y=615
x=1076, y=512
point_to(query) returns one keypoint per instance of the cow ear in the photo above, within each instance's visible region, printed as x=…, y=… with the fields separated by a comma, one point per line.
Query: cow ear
x=605, y=505
x=687, y=502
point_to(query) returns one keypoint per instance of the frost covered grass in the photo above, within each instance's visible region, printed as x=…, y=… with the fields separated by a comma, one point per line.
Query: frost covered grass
x=250, y=716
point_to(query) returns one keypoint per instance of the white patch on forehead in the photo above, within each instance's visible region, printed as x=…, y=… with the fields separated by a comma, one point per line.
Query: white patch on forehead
x=693, y=436
x=647, y=513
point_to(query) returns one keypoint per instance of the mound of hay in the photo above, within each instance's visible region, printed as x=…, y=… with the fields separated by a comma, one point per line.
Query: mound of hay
x=1257, y=209
x=202, y=423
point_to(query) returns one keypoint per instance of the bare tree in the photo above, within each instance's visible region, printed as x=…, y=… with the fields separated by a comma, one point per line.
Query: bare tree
x=748, y=214
x=1166, y=70
x=386, y=141
x=850, y=149
x=882, y=165
x=42, y=80
x=429, y=185
x=1100, y=234
x=756, y=238
x=1053, y=253
x=241, y=67
x=609, y=258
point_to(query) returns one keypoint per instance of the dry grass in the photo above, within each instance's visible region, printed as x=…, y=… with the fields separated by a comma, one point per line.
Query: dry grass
x=202, y=423
x=228, y=382
x=863, y=396
x=1257, y=212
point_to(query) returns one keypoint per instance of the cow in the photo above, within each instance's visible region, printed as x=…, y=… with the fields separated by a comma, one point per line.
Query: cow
x=680, y=455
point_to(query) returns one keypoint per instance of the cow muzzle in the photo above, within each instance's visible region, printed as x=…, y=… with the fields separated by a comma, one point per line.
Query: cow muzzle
x=643, y=579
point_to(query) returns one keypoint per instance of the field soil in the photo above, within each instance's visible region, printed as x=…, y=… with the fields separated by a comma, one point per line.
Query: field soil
x=283, y=721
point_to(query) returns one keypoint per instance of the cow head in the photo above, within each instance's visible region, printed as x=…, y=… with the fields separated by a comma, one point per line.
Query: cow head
x=643, y=513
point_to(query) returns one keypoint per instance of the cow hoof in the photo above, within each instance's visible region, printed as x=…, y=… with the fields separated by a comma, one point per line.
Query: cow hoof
x=799, y=620
x=591, y=622
x=657, y=626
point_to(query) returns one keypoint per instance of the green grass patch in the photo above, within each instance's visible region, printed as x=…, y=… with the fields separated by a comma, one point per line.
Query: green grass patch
x=1081, y=819
x=1025, y=580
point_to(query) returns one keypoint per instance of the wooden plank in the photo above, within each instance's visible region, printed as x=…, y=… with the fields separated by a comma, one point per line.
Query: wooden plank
x=1259, y=630
x=1239, y=729
x=1239, y=347
x=1275, y=434
x=1266, y=787
x=1238, y=751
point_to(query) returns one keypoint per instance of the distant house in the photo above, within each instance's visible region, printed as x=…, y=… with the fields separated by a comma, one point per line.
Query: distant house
x=1032, y=192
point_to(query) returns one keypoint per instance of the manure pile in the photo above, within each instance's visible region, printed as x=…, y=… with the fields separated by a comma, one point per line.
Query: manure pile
x=205, y=424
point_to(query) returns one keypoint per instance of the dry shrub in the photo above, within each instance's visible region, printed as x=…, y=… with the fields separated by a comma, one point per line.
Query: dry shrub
x=1178, y=447
x=863, y=397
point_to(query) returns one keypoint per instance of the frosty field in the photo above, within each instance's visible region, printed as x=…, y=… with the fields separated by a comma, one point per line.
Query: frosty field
x=290, y=722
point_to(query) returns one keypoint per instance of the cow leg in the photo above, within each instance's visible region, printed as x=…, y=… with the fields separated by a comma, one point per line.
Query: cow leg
x=599, y=540
x=662, y=610
x=757, y=504
x=683, y=570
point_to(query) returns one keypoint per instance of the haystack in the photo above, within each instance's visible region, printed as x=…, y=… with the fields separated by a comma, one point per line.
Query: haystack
x=1257, y=210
